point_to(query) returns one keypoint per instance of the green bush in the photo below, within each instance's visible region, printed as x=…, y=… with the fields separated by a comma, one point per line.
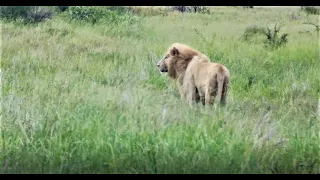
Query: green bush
x=29, y=14
x=252, y=30
x=13, y=12
x=311, y=9
x=148, y=11
x=119, y=9
x=88, y=13
x=63, y=8
x=99, y=14
x=272, y=36
x=191, y=9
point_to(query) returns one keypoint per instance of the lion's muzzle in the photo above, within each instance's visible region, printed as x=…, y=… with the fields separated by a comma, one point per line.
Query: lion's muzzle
x=163, y=69
x=161, y=66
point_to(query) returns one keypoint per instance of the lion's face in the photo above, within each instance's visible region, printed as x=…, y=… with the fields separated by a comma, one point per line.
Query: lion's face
x=162, y=66
x=166, y=62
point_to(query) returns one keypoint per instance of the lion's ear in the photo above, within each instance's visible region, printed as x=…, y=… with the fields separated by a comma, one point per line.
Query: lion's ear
x=174, y=51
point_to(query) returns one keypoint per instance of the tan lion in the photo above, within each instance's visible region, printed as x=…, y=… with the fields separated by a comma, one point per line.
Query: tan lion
x=198, y=78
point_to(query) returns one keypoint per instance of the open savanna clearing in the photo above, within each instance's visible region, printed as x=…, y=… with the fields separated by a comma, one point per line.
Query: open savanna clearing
x=88, y=98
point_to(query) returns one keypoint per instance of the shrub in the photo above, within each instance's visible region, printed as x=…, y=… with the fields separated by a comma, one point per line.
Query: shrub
x=29, y=14
x=63, y=8
x=99, y=14
x=192, y=9
x=199, y=9
x=317, y=27
x=119, y=9
x=91, y=14
x=40, y=15
x=311, y=9
x=148, y=11
x=272, y=36
x=179, y=8
x=273, y=39
x=252, y=30
x=14, y=12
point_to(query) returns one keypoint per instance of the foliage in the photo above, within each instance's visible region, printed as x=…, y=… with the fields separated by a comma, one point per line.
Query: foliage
x=311, y=9
x=100, y=14
x=149, y=11
x=63, y=8
x=29, y=14
x=272, y=36
x=193, y=9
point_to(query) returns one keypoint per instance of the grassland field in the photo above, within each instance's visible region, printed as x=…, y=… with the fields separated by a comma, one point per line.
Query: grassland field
x=83, y=98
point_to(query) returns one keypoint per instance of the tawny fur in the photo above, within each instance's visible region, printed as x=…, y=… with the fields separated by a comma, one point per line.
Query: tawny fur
x=198, y=78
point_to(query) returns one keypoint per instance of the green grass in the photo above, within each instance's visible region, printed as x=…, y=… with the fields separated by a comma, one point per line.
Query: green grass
x=81, y=98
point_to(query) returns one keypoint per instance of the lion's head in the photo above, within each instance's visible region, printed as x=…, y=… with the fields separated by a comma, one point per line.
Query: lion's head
x=176, y=59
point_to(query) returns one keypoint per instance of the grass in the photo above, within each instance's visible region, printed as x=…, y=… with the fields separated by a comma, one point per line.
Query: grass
x=81, y=98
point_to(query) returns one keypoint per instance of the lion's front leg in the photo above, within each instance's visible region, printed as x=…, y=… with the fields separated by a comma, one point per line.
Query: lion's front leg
x=191, y=93
x=182, y=92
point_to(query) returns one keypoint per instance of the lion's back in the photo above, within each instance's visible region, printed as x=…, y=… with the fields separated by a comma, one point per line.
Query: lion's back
x=202, y=69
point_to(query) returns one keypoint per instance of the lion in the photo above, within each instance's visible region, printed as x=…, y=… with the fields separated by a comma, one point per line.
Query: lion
x=198, y=78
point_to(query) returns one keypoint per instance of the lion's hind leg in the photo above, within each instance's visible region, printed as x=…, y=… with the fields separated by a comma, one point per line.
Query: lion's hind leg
x=225, y=89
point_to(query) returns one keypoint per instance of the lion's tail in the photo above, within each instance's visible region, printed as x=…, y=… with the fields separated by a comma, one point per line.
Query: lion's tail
x=223, y=81
x=220, y=79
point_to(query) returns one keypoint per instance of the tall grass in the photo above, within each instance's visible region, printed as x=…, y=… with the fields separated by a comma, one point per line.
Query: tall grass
x=83, y=98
